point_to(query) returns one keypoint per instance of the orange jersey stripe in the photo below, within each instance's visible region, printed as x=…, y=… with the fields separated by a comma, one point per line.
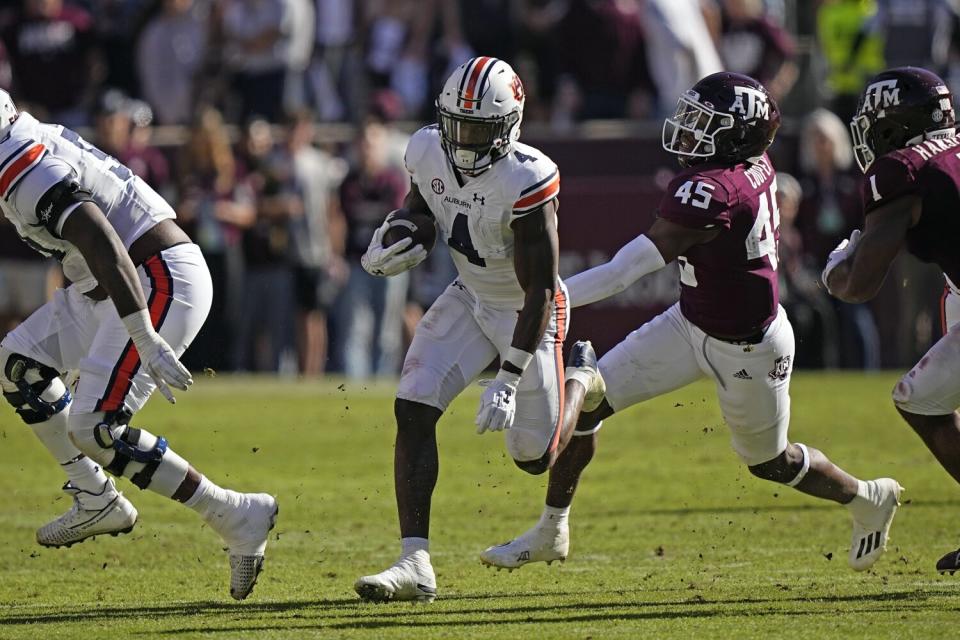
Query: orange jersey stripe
x=546, y=193
x=130, y=360
x=560, y=302
x=14, y=170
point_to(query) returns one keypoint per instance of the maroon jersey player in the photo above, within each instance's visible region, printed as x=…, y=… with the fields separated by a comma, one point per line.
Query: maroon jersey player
x=719, y=220
x=905, y=141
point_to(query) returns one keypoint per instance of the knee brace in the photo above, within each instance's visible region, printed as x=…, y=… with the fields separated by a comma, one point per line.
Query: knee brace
x=34, y=390
x=128, y=451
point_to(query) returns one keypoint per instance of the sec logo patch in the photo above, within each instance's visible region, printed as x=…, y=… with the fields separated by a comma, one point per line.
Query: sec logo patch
x=437, y=186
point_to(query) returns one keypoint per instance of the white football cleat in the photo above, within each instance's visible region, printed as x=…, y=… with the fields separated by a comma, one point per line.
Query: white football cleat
x=539, y=544
x=246, y=530
x=870, y=534
x=411, y=578
x=92, y=514
x=583, y=362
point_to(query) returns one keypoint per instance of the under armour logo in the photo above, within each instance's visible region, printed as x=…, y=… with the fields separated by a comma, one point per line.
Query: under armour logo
x=481, y=199
x=756, y=106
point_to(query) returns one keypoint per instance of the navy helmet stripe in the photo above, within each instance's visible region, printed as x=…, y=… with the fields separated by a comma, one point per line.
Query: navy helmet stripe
x=478, y=92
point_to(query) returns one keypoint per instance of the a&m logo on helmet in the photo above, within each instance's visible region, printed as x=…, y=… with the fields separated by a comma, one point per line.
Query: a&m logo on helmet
x=751, y=103
x=880, y=95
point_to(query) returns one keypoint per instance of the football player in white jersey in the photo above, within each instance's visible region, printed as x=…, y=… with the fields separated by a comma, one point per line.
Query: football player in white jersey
x=140, y=292
x=494, y=201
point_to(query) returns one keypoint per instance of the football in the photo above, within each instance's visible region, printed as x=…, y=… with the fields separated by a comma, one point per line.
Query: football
x=406, y=224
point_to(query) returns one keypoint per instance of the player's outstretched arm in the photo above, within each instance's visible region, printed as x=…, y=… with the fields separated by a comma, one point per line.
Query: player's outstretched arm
x=86, y=227
x=400, y=256
x=662, y=243
x=858, y=266
x=536, y=253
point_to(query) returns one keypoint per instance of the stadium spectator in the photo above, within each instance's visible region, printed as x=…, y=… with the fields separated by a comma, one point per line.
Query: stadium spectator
x=830, y=211
x=753, y=45
x=215, y=206
x=256, y=48
x=906, y=28
x=6, y=71
x=680, y=50
x=26, y=278
x=178, y=37
x=400, y=51
x=807, y=304
x=299, y=53
x=118, y=25
x=603, y=60
x=123, y=131
x=333, y=73
x=946, y=43
x=851, y=53
x=55, y=58
x=541, y=44
x=316, y=242
x=370, y=310
x=491, y=27
x=265, y=341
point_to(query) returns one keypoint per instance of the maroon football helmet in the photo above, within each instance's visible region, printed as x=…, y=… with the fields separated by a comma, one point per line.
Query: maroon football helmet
x=900, y=107
x=725, y=117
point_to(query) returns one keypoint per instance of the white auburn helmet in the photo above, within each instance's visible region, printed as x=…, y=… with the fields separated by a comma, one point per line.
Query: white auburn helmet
x=479, y=112
x=8, y=112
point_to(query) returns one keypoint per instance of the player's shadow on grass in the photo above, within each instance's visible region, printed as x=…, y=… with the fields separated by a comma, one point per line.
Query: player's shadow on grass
x=349, y=613
x=178, y=609
x=822, y=506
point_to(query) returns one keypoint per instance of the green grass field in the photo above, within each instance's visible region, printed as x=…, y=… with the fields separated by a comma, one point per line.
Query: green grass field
x=672, y=538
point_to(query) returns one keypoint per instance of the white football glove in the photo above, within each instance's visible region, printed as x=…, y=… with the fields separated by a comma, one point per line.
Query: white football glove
x=843, y=251
x=157, y=358
x=389, y=261
x=498, y=404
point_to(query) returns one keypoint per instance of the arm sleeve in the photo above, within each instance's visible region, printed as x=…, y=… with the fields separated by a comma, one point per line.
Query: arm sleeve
x=45, y=193
x=889, y=178
x=696, y=202
x=635, y=260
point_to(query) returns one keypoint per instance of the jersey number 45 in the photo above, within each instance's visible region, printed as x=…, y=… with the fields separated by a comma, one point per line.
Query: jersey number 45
x=762, y=241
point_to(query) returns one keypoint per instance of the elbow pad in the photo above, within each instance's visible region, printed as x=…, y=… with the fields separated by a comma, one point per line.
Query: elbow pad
x=59, y=200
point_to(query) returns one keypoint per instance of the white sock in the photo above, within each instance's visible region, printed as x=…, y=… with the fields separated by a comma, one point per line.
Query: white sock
x=212, y=502
x=409, y=546
x=82, y=472
x=85, y=474
x=579, y=375
x=554, y=517
x=864, y=504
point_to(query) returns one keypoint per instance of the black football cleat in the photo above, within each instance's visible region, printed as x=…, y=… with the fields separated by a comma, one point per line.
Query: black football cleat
x=583, y=367
x=949, y=563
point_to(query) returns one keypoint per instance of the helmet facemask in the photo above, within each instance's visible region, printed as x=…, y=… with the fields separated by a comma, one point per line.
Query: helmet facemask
x=860, y=131
x=473, y=144
x=691, y=132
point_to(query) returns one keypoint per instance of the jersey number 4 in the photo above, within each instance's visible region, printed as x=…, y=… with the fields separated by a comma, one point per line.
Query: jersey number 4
x=113, y=165
x=460, y=241
x=763, y=237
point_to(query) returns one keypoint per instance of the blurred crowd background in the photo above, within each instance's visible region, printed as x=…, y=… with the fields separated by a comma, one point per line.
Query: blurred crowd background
x=277, y=129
